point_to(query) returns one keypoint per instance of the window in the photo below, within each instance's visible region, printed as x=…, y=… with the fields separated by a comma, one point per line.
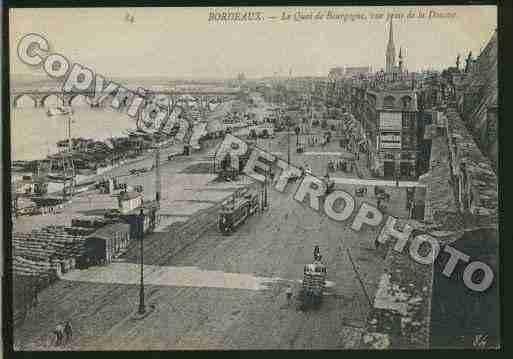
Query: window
x=407, y=141
x=406, y=156
x=389, y=102
x=406, y=101
x=409, y=119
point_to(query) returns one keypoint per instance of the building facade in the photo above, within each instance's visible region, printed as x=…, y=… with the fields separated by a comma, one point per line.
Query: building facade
x=396, y=137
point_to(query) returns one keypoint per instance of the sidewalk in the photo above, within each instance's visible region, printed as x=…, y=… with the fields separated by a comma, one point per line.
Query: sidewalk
x=375, y=182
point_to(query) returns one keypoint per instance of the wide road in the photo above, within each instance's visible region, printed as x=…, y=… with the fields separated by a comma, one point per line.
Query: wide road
x=230, y=312
x=221, y=292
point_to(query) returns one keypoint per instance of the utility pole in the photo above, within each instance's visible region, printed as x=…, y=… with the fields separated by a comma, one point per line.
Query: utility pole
x=265, y=189
x=288, y=140
x=142, y=307
x=70, y=164
x=70, y=144
x=158, y=184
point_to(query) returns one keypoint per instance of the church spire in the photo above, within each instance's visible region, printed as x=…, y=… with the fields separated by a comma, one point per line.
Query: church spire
x=390, y=54
x=401, y=60
x=391, y=34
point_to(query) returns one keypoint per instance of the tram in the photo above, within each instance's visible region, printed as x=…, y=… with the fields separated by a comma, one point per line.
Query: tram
x=237, y=211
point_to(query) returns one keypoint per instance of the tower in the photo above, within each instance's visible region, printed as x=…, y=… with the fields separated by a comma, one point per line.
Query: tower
x=400, y=60
x=390, y=54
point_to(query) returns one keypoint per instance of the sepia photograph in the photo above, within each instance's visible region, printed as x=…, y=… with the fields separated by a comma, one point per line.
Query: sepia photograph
x=253, y=178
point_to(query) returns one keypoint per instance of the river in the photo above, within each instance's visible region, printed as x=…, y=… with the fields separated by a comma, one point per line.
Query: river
x=34, y=134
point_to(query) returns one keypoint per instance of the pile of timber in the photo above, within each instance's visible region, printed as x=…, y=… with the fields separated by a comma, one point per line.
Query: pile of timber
x=27, y=267
x=47, y=251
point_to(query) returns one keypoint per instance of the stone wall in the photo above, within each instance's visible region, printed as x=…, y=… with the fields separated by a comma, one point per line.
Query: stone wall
x=416, y=305
x=400, y=316
x=461, y=198
x=475, y=181
x=477, y=95
x=440, y=204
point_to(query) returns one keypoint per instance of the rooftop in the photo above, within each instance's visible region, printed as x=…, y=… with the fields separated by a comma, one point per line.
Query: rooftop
x=110, y=230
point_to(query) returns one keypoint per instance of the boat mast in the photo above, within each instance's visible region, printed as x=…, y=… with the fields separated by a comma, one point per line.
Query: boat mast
x=70, y=159
x=69, y=134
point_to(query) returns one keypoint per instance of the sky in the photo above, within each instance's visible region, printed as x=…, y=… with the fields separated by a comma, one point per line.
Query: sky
x=181, y=42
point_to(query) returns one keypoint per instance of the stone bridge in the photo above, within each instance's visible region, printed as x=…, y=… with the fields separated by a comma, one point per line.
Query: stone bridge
x=52, y=97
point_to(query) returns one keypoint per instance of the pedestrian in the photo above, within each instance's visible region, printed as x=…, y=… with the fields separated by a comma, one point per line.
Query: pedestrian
x=288, y=294
x=302, y=170
x=35, y=300
x=317, y=253
x=59, y=334
x=379, y=203
x=68, y=331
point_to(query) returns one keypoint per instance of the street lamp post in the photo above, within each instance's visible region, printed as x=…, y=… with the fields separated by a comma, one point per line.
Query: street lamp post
x=265, y=189
x=142, y=308
x=288, y=141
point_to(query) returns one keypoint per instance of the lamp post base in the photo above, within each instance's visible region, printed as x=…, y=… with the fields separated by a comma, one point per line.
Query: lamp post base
x=142, y=307
x=136, y=315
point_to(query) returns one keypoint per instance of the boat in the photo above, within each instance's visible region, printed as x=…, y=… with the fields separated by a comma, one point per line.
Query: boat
x=59, y=111
x=59, y=178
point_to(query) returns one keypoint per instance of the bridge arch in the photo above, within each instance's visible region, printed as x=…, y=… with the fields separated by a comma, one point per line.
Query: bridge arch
x=51, y=100
x=24, y=101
